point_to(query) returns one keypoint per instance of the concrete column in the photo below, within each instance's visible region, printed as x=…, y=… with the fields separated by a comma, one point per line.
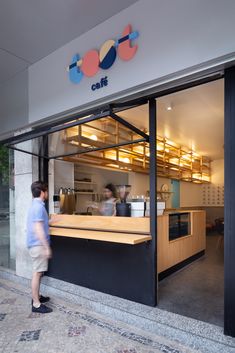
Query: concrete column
x=12, y=228
x=51, y=185
x=26, y=171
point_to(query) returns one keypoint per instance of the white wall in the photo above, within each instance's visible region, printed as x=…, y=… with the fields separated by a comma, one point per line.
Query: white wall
x=217, y=171
x=102, y=176
x=139, y=183
x=61, y=174
x=64, y=175
x=190, y=194
x=217, y=178
x=174, y=36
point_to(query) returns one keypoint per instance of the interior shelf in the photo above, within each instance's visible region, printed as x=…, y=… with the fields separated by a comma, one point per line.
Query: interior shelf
x=84, y=182
x=176, y=161
x=85, y=193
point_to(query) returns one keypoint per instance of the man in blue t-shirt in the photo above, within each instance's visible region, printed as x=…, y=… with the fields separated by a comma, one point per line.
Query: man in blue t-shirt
x=38, y=242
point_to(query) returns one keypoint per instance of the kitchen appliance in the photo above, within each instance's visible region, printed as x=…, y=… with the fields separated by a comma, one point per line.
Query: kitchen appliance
x=123, y=208
x=56, y=200
x=138, y=207
x=67, y=200
x=161, y=205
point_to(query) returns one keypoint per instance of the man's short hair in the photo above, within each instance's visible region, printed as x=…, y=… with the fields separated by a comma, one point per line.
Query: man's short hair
x=37, y=187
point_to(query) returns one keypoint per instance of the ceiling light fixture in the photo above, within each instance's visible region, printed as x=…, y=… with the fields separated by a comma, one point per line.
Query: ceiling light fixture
x=94, y=137
x=126, y=160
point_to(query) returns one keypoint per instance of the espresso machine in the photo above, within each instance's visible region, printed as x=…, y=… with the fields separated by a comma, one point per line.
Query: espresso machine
x=123, y=208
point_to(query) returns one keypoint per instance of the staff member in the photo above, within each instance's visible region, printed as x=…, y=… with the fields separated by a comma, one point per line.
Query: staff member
x=108, y=205
x=38, y=242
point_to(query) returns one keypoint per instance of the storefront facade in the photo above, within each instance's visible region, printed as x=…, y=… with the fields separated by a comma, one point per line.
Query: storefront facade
x=169, y=50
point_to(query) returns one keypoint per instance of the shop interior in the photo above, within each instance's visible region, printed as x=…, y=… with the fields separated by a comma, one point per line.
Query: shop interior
x=195, y=119
x=190, y=176
x=86, y=158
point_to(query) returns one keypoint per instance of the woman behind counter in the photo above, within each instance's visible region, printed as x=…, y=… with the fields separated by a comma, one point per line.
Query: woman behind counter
x=108, y=205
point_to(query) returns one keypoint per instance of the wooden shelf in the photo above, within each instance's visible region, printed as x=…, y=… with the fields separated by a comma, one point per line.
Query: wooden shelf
x=84, y=182
x=177, y=162
x=84, y=193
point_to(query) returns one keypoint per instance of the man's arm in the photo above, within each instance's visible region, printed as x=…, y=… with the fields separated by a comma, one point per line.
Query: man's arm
x=40, y=234
x=54, y=219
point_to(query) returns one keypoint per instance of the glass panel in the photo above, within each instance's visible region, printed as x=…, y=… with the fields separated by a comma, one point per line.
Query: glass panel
x=89, y=136
x=126, y=158
x=94, y=135
x=7, y=209
x=179, y=225
x=35, y=146
x=138, y=116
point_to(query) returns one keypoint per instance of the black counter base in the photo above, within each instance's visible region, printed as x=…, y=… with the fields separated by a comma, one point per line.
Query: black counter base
x=180, y=265
x=121, y=270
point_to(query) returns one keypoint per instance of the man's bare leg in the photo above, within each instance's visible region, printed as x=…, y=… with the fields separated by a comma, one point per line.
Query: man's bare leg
x=36, y=279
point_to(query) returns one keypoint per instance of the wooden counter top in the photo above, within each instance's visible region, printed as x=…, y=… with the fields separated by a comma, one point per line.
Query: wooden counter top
x=123, y=238
x=172, y=211
x=124, y=230
x=140, y=225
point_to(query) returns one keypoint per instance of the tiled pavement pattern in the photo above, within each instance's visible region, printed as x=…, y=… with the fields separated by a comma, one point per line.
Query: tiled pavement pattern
x=2, y=317
x=69, y=329
x=30, y=335
x=8, y=301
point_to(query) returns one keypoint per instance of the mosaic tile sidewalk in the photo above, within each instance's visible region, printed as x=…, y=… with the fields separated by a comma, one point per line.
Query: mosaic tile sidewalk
x=69, y=329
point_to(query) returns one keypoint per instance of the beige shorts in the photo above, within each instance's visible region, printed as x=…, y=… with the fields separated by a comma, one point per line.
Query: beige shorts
x=40, y=261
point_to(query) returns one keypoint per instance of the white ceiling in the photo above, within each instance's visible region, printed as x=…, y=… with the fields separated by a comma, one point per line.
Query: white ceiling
x=195, y=121
x=32, y=29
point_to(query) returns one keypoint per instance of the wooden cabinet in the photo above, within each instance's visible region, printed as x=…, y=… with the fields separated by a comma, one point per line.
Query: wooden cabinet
x=170, y=253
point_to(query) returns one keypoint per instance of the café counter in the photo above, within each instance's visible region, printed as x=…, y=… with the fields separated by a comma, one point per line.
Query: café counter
x=133, y=231
x=116, y=255
x=113, y=255
x=123, y=230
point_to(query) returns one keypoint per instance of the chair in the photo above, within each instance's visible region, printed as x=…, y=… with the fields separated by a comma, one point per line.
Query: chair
x=219, y=227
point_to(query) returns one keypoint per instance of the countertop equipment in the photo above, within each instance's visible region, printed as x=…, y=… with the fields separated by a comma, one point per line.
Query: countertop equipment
x=123, y=208
x=67, y=200
x=138, y=206
x=161, y=205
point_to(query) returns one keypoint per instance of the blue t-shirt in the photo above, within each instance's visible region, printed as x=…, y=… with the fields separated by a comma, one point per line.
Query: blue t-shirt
x=37, y=213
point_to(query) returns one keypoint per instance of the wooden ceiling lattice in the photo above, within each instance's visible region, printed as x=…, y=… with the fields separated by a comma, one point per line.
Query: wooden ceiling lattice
x=173, y=160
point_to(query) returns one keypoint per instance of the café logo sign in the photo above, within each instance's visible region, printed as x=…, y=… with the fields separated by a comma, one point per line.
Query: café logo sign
x=103, y=59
